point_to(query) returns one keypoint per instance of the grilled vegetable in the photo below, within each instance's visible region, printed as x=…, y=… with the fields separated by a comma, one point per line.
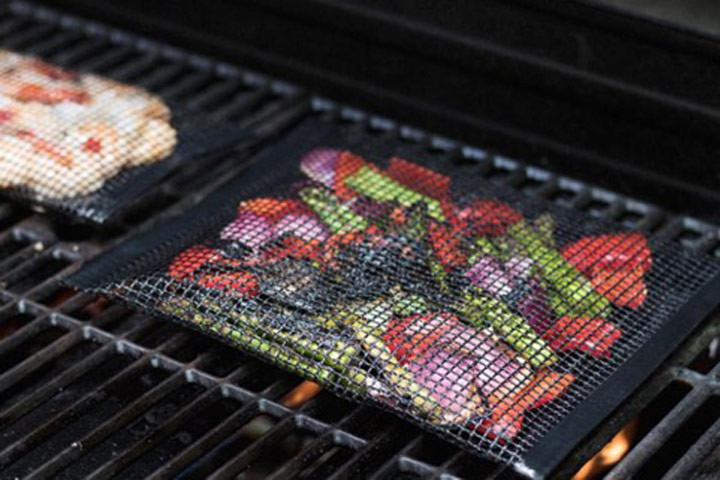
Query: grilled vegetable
x=338, y=217
x=576, y=290
x=479, y=307
x=379, y=187
x=363, y=282
x=615, y=264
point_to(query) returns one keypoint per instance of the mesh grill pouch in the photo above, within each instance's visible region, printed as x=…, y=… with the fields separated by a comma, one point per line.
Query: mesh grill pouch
x=86, y=145
x=403, y=279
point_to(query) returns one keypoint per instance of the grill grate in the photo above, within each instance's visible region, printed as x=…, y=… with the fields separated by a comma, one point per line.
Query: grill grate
x=121, y=395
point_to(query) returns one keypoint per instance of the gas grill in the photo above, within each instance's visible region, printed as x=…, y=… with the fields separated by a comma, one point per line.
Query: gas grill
x=93, y=389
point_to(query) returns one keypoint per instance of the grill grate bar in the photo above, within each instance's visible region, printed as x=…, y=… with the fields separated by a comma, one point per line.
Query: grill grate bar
x=634, y=460
x=699, y=451
x=401, y=463
x=163, y=430
x=82, y=52
x=119, y=420
x=134, y=68
x=160, y=76
x=105, y=61
x=26, y=332
x=242, y=460
x=60, y=40
x=382, y=442
x=24, y=270
x=322, y=443
x=31, y=401
x=52, y=425
x=35, y=361
x=241, y=103
x=12, y=25
x=302, y=459
x=207, y=442
x=21, y=40
x=215, y=94
x=192, y=83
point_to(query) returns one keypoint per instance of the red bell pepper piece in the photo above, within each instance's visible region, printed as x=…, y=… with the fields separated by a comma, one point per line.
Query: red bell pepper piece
x=347, y=166
x=593, y=336
x=406, y=344
x=291, y=247
x=336, y=241
x=185, y=264
x=489, y=217
x=271, y=208
x=616, y=251
x=418, y=178
x=508, y=412
x=446, y=245
x=625, y=288
x=296, y=247
x=398, y=215
x=615, y=264
x=236, y=283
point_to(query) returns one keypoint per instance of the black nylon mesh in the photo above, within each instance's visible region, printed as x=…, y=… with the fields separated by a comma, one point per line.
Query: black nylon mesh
x=86, y=145
x=403, y=279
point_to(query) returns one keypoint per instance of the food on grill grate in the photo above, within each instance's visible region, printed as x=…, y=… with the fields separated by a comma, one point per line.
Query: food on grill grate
x=481, y=315
x=64, y=134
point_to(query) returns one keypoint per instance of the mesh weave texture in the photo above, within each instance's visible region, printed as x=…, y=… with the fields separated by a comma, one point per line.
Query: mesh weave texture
x=404, y=279
x=84, y=144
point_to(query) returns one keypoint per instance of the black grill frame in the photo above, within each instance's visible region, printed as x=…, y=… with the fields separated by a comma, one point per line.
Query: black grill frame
x=397, y=450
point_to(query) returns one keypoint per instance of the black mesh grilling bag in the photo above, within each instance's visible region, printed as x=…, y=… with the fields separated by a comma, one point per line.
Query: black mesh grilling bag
x=404, y=279
x=85, y=145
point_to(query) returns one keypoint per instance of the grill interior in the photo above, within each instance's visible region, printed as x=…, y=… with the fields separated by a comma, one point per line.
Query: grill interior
x=90, y=388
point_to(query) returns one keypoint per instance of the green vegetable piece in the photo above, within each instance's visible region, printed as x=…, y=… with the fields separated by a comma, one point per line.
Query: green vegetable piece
x=415, y=227
x=290, y=349
x=410, y=305
x=485, y=246
x=479, y=306
x=438, y=272
x=399, y=378
x=379, y=187
x=574, y=288
x=338, y=217
x=405, y=304
x=545, y=227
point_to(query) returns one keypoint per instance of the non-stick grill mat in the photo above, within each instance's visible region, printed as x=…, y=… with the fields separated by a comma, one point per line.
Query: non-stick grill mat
x=87, y=146
x=401, y=278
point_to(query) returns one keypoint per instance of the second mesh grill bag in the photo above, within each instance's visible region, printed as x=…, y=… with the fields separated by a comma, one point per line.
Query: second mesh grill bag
x=86, y=145
x=405, y=280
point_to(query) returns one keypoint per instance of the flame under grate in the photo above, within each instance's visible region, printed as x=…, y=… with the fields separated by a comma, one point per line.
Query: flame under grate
x=411, y=283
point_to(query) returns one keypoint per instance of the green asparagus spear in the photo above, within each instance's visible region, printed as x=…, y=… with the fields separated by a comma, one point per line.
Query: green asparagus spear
x=379, y=187
x=401, y=380
x=264, y=339
x=251, y=342
x=415, y=228
x=578, y=293
x=338, y=217
x=406, y=304
x=478, y=306
x=545, y=227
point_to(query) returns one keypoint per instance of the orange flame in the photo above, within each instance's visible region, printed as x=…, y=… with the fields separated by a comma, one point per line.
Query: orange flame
x=610, y=454
x=301, y=394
